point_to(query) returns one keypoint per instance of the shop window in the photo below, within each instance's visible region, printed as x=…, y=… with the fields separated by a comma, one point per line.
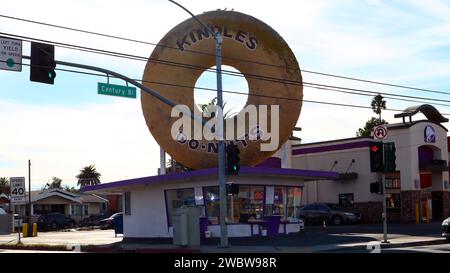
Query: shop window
x=251, y=202
x=294, y=197
x=284, y=201
x=393, y=200
x=85, y=210
x=246, y=204
x=176, y=199
x=346, y=200
x=212, y=201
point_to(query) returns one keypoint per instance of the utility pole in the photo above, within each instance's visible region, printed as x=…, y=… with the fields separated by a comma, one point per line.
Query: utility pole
x=219, y=131
x=29, y=192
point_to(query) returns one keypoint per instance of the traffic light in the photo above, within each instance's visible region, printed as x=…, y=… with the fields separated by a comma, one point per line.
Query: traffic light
x=376, y=157
x=389, y=157
x=233, y=159
x=232, y=188
x=376, y=187
x=42, y=63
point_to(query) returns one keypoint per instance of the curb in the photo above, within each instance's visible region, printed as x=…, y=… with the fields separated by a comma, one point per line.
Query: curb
x=417, y=243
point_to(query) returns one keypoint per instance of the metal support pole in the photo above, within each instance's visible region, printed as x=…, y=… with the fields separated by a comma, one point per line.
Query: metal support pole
x=221, y=155
x=162, y=161
x=383, y=181
x=29, y=191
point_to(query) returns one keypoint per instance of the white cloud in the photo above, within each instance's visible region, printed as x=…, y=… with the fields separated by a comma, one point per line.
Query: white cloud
x=60, y=141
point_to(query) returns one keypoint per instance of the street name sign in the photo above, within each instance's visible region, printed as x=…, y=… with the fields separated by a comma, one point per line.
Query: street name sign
x=10, y=54
x=116, y=90
x=17, y=190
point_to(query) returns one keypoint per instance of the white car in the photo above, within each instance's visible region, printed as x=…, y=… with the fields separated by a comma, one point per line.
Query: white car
x=446, y=228
x=2, y=211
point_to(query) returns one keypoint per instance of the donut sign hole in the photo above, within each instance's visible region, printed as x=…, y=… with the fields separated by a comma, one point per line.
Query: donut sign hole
x=234, y=86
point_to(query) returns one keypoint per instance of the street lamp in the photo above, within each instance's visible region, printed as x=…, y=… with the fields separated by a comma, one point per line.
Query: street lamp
x=221, y=157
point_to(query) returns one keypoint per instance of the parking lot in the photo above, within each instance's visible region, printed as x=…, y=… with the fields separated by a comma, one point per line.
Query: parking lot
x=68, y=237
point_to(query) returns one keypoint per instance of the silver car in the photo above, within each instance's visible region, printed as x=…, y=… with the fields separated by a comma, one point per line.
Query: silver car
x=446, y=228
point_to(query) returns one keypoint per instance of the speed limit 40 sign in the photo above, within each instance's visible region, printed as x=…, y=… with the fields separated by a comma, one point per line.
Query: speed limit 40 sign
x=17, y=189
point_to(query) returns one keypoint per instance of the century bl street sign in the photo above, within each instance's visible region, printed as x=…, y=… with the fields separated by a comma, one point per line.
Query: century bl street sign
x=116, y=90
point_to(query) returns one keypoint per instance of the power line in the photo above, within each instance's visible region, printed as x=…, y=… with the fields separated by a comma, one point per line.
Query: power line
x=231, y=92
x=226, y=72
x=233, y=58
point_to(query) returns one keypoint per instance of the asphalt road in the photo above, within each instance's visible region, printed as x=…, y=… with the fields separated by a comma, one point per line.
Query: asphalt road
x=314, y=235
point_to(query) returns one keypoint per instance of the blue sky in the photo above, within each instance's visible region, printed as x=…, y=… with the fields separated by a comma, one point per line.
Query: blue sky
x=66, y=126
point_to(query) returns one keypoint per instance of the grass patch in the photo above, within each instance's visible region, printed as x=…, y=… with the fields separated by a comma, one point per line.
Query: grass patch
x=42, y=247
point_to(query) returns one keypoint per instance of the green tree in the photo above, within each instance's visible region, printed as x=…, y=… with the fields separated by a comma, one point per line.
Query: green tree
x=378, y=104
x=367, y=129
x=88, y=176
x=56, y=183
x=70, y=189
x=210, y=108
x=4, y=185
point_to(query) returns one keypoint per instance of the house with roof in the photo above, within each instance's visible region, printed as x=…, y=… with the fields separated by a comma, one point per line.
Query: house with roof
x=75, y=205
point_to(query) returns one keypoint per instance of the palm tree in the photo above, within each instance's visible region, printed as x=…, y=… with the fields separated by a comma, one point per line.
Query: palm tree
x=210, y=108
x=88, y=176
x=56, y=183
x=4, y=185
x=70, y=189
x=378, y=104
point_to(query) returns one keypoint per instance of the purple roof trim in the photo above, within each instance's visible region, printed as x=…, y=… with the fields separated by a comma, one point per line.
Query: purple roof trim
x=212, y=172
x=336, y=147
x=271, y=162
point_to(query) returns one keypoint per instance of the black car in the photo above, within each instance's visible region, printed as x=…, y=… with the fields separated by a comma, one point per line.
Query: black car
x=92, y=220
x=108, y=223
x=330, y=213
x=54, y=221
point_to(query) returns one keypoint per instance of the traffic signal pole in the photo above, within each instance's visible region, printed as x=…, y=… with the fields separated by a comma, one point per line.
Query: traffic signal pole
x=383, y=181
x=219, y=130
x=221, y=156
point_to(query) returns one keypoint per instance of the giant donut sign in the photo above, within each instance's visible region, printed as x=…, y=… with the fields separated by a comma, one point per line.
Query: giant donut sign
x=248, y=45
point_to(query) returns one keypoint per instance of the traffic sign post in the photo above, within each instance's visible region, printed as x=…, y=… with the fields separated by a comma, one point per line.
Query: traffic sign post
x=10, y=54
x=380, y=132
x=17, y=190
x=17, y=185
x=378, y=158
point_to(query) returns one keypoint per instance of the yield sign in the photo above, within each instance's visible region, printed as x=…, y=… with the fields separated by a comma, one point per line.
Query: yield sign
x=380, y=132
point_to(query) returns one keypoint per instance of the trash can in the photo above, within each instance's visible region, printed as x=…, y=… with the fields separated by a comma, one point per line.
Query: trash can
x=272, y=225
x=203, y=226
x=186, y=226
x=118, y=225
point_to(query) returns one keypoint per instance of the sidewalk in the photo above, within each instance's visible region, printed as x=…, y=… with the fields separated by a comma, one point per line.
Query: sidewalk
x=312, y=240
x=395, y=242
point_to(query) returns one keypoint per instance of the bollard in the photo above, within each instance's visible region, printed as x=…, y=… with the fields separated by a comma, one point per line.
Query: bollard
x=34, y=230
x=25, y=230
x=324, y=227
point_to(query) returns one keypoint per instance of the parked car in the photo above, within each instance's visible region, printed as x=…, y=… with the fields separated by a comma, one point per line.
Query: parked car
x=108, y=223
x=54, y=221
x=330, y=213
x=92, y=220
x=2, y=211
x=446, y=228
